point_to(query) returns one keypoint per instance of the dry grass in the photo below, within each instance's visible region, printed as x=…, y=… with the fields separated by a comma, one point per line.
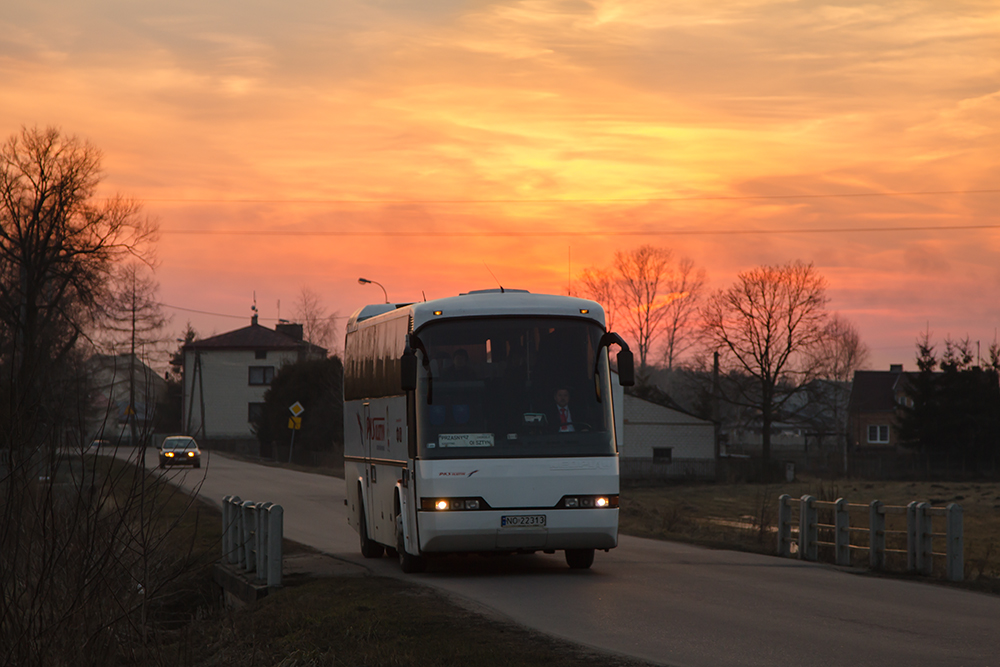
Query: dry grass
x=369, y=621
x=743, y=516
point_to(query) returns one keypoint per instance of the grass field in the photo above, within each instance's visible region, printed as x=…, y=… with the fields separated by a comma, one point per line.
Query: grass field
x=744, y=516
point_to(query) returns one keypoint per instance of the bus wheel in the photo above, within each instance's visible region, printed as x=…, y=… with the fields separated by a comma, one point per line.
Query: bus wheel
x=369, y=548
x=580, y=559
x=409, y=563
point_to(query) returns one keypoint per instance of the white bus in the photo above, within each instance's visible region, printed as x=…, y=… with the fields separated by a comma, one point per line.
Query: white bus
x=482, y=423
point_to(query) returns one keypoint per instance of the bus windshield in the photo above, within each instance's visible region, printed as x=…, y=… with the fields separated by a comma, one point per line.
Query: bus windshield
x=514, y=387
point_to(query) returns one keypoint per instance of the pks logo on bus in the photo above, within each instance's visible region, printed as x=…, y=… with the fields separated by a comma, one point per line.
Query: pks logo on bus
x=375, y=428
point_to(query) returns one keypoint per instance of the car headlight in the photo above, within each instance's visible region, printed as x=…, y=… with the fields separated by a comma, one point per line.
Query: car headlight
x=170, y=455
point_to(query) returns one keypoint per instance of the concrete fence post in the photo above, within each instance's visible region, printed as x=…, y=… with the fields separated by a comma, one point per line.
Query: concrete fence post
x=955, y=552
x=275, y=531
x=912, y=536
x=876, y=535
x=263, y=539
x=925, y=553
x=842, y=533
x=238, y=533
x=784, y=525
x=808, y=528
x=234, y=529
x=246, y=553
x=225, y=528
x=260, y=538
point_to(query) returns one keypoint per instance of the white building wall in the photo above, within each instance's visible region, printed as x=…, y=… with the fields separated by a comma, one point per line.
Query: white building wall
x=225, y=378
x=648, y=425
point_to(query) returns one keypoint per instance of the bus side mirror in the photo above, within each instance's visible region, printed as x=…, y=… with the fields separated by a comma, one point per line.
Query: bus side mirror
x=626, y=363
x=626, y=368
x=408, y=370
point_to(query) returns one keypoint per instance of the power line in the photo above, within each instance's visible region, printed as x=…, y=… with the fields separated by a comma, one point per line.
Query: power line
x=235, y=317
x=623, y=200
x=609, y=232
x=205, y=312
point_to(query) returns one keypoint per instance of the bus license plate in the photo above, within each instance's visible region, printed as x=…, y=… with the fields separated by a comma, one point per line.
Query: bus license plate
x=528, y=520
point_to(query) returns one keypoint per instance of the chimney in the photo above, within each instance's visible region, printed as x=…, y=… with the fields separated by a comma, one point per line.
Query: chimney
x=895, y=368
x=289, y=329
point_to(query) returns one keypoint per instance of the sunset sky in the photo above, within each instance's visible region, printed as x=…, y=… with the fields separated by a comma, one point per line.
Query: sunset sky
x=426, y=144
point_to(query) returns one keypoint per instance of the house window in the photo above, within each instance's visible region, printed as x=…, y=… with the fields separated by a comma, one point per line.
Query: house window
x=260, y=354
x=261, y=374
x=663, y=454
x=878, y=433
x=255, y=413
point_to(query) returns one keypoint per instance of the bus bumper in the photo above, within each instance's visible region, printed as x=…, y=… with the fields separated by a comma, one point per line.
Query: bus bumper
x=464, y=531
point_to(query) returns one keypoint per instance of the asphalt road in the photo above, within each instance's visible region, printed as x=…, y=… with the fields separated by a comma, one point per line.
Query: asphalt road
x=663, y=602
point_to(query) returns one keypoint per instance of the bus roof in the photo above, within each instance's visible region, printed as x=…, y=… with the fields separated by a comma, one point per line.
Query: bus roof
x=485, y=303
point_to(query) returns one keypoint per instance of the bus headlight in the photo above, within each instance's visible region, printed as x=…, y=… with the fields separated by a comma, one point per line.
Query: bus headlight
x=442, y=504
x=588, y=502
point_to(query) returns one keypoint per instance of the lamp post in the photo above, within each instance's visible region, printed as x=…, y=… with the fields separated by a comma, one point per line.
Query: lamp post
x=365, y=281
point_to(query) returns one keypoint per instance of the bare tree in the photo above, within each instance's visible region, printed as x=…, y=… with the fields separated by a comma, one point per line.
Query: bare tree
x=654, y=295
x=318, y=327
x=641, y=274
x=134, y=318
x=768, y=325
x=57, y=249
x=601, y=285
x=683, y=287
x=841, y=352
x=81, y=559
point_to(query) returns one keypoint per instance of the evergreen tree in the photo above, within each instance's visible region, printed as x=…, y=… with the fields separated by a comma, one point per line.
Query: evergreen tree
x=954, y=412
x=318, y=384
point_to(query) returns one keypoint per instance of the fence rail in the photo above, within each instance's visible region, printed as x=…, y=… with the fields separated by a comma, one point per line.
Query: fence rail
x=920, y=535
x=251, y=537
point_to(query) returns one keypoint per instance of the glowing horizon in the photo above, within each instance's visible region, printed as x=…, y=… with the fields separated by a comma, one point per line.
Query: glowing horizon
x=536, y=116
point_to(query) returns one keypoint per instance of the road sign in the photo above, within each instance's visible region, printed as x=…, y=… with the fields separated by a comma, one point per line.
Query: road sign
x=296, y=409
x=295, y=423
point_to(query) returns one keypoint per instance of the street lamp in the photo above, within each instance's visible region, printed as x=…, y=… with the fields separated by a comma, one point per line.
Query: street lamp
x=365, y=281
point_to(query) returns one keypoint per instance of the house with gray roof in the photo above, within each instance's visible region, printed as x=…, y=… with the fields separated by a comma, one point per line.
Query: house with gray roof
x=226, y=376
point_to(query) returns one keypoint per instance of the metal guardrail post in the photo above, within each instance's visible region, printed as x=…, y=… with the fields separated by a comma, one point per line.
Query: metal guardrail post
x=912, y=536
x=876, y=535
x=808, y=529
x=784, y=525
x=842, y=533
x=955, y=553
x=275, y=530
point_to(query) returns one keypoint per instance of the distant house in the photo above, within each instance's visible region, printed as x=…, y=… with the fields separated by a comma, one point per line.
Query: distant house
x=226, y=376
x=660, y=442
x=875, y=399
x=117, y=402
